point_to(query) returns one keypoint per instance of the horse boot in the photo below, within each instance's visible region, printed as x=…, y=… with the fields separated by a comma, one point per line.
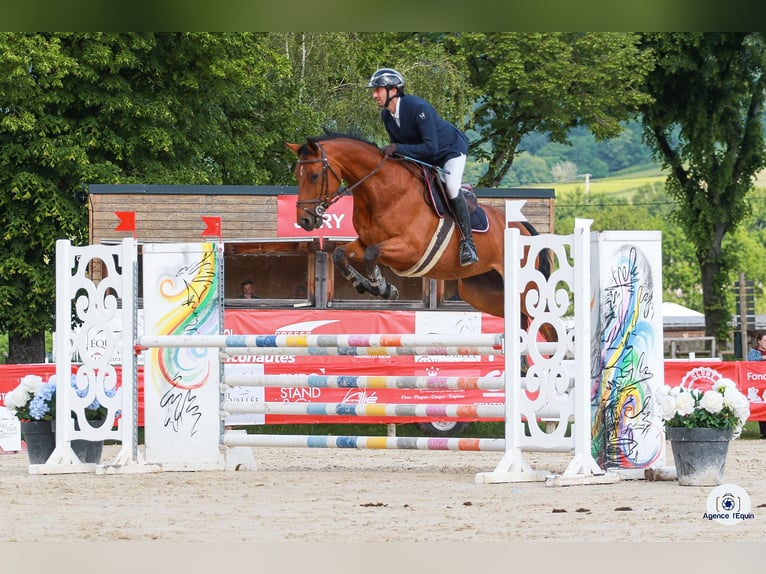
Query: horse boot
x=468, y=253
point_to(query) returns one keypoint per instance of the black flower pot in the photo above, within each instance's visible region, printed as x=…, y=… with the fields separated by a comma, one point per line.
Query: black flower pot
x=40, y=439
x=699, y=454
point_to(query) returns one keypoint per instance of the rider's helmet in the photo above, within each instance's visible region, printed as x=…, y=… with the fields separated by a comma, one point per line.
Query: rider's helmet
x=386, y=78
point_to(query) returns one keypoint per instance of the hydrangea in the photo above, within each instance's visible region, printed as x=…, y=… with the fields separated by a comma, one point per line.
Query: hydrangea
x=722, y=407
x=43, y=406
x=34, y=400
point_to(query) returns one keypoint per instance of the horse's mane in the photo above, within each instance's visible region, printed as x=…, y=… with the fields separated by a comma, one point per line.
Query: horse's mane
x=330, y=135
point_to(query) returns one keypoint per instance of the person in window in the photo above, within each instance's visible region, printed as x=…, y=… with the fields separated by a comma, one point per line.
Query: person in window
x=758, y=353
x=247, y=290
x=417, y=131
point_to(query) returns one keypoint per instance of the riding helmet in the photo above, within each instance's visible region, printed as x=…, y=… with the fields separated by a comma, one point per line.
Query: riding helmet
x=386, y=78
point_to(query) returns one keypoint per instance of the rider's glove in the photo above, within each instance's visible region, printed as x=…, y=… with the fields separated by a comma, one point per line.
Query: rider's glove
x=390, y=149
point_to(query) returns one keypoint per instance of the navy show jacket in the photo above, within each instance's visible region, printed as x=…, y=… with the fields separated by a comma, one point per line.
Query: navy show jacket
x=423, y=134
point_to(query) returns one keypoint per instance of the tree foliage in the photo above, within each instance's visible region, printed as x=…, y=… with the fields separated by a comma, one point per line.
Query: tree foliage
x=704, y=124
x=548, y=82
x=121, y=108
x=332, y=70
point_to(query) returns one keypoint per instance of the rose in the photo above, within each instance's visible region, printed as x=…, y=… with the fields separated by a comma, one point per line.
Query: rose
x=722, y=407
x=17, y=401
x=668, y=406
x=685, y=404
x=712, y=401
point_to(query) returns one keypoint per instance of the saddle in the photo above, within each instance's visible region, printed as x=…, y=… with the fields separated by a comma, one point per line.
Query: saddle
x=436, y=196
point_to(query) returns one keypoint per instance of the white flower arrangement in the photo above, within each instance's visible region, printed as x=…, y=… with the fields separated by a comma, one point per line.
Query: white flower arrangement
x=35, y=400
x=18, y=400
x=721, y=407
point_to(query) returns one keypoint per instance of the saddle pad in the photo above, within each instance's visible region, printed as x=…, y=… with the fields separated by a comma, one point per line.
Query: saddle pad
x=438, y=199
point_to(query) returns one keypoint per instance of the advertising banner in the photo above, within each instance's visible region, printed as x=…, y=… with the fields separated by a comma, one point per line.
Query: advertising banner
x=750, y=377
x=332, y=322
x=337, y=220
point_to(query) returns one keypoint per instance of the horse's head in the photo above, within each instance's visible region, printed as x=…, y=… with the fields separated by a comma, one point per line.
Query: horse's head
x=318, y=183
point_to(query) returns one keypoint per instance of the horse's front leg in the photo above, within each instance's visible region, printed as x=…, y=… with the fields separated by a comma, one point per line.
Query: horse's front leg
x=384, y=288
x=359, y=281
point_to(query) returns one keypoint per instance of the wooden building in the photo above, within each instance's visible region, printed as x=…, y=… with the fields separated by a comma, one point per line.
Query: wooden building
x=288, y=267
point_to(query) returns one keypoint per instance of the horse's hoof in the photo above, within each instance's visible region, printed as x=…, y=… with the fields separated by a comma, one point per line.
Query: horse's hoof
x=468, y=254
x=393, y=292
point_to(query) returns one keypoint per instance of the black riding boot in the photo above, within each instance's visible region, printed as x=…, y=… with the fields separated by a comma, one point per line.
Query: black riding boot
x=468, y=253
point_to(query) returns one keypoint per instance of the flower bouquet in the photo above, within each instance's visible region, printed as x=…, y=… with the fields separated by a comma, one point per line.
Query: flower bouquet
x=33, y=400
x=721, y=407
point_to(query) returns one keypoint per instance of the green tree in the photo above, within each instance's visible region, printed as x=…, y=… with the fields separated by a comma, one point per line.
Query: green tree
x=705, y=127
x=548, y=82
x=122, y=108
x=332, y=70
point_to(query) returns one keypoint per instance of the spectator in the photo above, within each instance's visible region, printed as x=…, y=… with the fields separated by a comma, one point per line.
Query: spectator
x=247, y=290
x=758, y=353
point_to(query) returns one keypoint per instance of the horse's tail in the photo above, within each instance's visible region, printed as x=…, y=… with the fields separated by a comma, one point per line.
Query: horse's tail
x=545, y=257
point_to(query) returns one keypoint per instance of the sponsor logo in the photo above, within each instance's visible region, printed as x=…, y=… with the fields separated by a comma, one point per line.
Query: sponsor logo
x=302, y=328
x=728, y=504
x=700, y=378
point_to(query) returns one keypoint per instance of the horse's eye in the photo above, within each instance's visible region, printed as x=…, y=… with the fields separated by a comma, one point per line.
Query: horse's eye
x=314, y=177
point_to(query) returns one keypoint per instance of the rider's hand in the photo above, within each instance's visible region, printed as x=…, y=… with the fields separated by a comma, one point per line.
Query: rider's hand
x=389, y=150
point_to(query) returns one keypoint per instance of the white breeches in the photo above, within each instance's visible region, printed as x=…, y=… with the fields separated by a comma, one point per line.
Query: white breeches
x=454, y=180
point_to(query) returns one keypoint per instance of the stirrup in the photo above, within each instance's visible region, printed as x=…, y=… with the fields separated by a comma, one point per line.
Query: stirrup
x=468, y=253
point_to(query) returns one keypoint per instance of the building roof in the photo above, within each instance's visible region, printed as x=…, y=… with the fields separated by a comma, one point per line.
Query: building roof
x=675, y=315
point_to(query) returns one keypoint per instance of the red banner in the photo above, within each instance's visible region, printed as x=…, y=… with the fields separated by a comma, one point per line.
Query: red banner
x=749, y=376
x=330, y=322
x=337, y=221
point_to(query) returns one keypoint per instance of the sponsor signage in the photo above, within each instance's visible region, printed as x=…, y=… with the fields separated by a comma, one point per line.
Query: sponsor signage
x=337, y=220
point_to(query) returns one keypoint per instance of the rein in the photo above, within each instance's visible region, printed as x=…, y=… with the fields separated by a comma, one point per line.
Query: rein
x=326, y=199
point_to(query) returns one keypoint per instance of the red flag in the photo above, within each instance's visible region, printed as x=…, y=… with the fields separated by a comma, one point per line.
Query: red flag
x=127, y=221
x=213, y=226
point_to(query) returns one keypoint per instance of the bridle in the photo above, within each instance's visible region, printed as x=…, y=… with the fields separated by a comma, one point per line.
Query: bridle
x=325, y=200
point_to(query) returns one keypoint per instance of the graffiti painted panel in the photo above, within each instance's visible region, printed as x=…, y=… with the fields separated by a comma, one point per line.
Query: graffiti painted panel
x=627, y=359
x=181, y=385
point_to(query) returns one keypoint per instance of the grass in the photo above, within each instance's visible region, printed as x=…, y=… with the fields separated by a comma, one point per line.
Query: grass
x=627, y=181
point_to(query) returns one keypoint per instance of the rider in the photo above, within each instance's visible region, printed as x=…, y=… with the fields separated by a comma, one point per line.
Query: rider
x=416, y=130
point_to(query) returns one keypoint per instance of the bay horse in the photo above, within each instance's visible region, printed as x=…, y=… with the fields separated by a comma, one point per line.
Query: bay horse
x=396, y=225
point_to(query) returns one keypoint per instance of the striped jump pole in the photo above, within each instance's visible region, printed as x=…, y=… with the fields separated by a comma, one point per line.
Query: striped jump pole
x=267, y=341
x=227, y=352
x=365, y=382
x=365, y=442
x=361, y=410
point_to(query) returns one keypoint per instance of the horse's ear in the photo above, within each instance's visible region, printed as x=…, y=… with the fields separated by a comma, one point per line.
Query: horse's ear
x=294, y=147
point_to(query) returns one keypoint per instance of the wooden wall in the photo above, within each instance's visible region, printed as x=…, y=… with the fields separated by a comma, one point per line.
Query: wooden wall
x=173, y=213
